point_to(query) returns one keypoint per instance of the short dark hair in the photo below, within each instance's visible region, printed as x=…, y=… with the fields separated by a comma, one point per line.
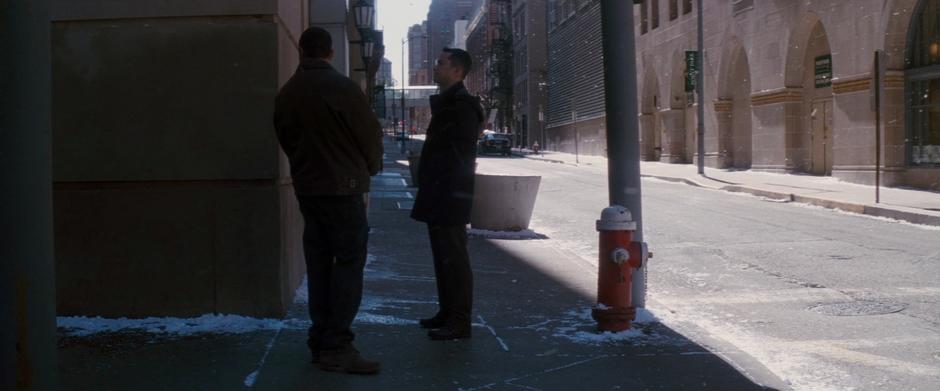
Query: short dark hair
x=460, y=58
x=316, y=42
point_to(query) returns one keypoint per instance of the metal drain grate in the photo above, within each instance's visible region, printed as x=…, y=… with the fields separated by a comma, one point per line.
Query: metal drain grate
x=857, y=308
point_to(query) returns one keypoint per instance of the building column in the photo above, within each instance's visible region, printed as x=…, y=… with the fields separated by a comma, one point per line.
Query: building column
x=893, y=130
x=853, y=130
x=331, y=16
x=647, y=137
x=717, y=146
x=673, y=136
x=777, y=126
x=27, y=282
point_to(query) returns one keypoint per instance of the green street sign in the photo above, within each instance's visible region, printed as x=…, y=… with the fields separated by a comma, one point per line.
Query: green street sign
x=691, y=69
x=823, y=65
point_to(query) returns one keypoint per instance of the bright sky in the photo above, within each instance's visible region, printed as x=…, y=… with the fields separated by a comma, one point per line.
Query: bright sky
x=395, y=16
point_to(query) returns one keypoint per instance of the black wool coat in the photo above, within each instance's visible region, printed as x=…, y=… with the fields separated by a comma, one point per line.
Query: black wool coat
x=328, y=131
x=448, y=159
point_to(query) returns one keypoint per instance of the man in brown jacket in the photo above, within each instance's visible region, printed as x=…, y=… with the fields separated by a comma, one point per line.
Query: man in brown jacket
x=333, y=141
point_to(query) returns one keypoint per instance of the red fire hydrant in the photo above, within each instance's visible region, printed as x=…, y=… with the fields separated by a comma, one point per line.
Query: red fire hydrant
x=619, y=255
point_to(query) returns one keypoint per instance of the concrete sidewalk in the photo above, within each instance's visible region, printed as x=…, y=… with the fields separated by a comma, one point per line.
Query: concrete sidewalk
x=532, y=329
x=914, y=206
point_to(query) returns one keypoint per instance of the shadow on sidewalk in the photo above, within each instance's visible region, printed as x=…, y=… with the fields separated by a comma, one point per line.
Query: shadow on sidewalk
x=532, y=331
x=532, y=327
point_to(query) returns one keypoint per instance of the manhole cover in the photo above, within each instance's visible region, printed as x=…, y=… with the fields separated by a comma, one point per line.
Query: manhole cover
x=858, y=308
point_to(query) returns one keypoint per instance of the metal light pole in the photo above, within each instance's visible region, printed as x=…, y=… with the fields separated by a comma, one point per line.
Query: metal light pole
x=700, y=87
x=27, y=264
x=623, y=136
x=403, y=42
x=402, y=119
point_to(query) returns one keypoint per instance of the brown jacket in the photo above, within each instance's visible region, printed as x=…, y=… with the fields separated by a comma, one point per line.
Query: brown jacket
x=328, y=131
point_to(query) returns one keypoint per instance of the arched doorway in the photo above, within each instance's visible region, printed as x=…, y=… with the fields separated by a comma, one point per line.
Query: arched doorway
x=733, y=108
x=650, y=132
x=817, y=103
x=740, y=78
x=922, y=75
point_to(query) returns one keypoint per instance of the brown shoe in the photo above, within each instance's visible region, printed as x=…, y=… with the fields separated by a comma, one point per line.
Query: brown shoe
x=347, y=360
x=450, y=332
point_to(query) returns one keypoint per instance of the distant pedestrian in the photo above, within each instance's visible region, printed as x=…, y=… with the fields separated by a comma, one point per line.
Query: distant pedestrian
x=535, y=147
x=333, y=142
x=445, y=192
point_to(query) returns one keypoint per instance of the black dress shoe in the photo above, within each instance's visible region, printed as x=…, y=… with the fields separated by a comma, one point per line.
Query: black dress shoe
x=449, y=332
x=436, y=322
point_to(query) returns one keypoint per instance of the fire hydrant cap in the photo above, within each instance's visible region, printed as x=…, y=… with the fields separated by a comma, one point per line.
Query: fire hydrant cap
x=616, y=218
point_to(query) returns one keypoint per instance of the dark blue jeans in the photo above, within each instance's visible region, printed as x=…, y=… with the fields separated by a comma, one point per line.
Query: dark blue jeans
x=335, y=237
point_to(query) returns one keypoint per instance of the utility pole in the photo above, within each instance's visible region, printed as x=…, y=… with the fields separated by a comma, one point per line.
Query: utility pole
x=403, y=42
x=623, y=136
x=27, y=264
x=700, y=87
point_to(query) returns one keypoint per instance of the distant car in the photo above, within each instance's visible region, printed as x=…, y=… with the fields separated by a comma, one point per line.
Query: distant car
x=500, y=143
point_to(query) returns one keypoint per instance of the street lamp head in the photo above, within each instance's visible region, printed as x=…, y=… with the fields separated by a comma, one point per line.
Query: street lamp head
x=367, y=43
x=364, y=13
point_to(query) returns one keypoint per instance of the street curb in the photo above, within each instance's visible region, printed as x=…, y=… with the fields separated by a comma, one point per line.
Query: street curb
x=678, y=180
x=870, y=210
x=543, y=159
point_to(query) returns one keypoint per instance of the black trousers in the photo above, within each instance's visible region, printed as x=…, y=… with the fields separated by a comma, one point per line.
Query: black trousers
x=452, y=272
x=335, y=238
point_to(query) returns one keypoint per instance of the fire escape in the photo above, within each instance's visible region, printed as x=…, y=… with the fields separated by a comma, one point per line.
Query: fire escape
x=500, y=64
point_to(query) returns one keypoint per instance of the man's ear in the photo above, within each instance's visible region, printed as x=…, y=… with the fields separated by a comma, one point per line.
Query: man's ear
x=330, y=57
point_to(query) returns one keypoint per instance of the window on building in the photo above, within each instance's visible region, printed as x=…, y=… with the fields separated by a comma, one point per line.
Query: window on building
x=552, y=14
x=686, y=6
x=644, y=19
x=522, y=23
x=673, y=9
x=654, y=18
x=923, y=86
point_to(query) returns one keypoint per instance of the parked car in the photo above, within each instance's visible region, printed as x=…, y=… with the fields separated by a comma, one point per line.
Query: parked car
x=500, y=143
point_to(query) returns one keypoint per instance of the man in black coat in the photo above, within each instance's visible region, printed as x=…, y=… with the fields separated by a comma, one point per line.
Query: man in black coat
x=445, y=192
x=333, y=141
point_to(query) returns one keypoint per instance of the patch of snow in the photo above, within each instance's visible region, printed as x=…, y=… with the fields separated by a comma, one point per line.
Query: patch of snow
x=525, y=234
x=579, y=327
x=250, y=379
x=492, y=331
x=300, y=295
x=644, y=316
x=585, y=337
x=366, y=317
x=208, y=323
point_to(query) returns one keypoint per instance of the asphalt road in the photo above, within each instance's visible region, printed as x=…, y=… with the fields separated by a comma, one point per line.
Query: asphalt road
x=822, y=299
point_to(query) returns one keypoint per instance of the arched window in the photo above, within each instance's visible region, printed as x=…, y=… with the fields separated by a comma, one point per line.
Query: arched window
x=923, y=86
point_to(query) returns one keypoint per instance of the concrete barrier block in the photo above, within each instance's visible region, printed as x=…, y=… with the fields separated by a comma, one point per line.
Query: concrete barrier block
x=504, y=202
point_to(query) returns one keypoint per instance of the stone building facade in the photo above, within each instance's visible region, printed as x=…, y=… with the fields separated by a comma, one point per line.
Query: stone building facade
x=419, y=64
x=530, y=69
x=171, y=194
x=575, y=115
x=788, y=86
